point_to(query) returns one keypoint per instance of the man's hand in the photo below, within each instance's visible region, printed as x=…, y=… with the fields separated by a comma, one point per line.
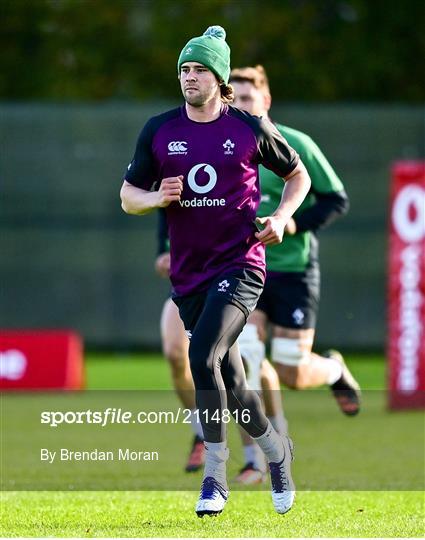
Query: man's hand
x=170, y=190
x=162, y=265
x=273, y=230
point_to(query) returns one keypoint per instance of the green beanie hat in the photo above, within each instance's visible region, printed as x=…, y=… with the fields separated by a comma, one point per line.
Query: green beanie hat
x=211, y=50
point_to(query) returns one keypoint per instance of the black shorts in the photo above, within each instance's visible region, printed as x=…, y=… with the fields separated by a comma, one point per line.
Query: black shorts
x=291, y=299
x=241, y=287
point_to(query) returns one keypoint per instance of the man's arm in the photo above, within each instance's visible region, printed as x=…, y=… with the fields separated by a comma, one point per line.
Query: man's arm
x=137, y=201
x=296, y=188
x=325, y=210
x=137, y=192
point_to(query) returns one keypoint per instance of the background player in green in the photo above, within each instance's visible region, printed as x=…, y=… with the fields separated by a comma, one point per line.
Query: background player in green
x=290, y=298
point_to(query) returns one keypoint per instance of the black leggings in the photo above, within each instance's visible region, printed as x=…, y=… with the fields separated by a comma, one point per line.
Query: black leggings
x=218, y=371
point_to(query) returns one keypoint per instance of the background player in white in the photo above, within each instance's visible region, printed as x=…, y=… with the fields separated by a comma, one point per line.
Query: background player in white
x=200, y=162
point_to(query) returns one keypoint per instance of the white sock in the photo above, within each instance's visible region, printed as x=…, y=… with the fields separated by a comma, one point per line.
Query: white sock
x=271, y=444
x=280, y=423
x=253, y=454
x=196, y=424
x=335, y=370
x=216, y=455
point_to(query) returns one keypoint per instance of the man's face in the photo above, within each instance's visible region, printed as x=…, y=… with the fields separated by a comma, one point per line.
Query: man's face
x=250, y=99
x=199, y=85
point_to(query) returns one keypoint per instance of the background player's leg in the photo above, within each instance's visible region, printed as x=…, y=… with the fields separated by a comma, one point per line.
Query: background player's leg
x=295, y=363
x=175, y=346
x=299, y=368
x=252, y=348
x=272, y=397
x=254, y=468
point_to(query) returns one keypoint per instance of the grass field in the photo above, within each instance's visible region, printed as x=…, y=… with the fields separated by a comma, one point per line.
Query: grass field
x=355, y=513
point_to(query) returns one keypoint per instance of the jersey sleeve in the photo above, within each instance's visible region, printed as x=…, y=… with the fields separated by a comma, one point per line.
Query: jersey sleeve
x=142, y=171
x=274, y=151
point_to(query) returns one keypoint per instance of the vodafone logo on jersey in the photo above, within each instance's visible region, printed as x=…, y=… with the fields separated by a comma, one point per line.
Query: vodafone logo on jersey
x=191, y=178
x=202, y=179
x=406, y=299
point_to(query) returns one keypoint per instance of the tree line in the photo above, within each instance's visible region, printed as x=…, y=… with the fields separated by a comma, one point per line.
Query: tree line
x=313, y=50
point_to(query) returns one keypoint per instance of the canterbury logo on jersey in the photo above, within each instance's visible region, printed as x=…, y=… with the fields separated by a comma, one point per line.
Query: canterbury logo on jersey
x=177, y=147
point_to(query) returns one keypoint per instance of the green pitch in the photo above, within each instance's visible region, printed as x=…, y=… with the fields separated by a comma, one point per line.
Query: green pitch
x=248, y=513
x=136, y=514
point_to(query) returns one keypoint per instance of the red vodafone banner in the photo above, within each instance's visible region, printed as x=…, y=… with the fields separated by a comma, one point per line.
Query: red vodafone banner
x=40, y=360
x=406, y=294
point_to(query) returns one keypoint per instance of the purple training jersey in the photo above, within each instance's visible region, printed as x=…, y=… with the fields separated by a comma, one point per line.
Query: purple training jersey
x=211, y=228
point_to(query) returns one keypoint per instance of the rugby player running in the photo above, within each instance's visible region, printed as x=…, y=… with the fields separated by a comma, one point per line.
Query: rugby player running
x=200, y=161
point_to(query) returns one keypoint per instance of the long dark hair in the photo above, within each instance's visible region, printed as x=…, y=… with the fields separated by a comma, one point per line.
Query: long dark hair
x=227, y=93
